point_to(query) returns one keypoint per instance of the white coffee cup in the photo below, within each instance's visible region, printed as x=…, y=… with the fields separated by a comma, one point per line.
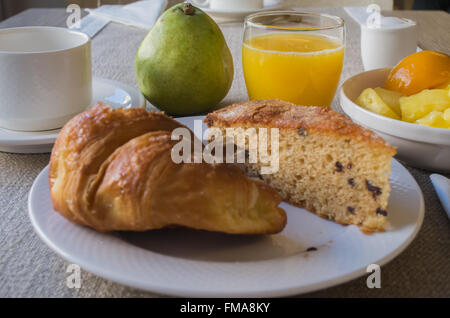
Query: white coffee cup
x=231, y=5
x=45, y=77
x=386, y=43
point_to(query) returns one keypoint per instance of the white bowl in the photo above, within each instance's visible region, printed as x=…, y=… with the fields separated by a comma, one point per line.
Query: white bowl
x=419, y=146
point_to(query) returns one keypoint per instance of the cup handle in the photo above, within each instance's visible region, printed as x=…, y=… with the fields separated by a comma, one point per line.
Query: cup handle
x=201, y=3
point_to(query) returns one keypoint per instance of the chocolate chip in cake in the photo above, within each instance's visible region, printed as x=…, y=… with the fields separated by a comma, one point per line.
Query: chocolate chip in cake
x=381, y=211
x=339, y=167
x=351, y=209
x=349, y=166
x=311, y=249
x=302, y=132
x=351, y=181
x=374, y=189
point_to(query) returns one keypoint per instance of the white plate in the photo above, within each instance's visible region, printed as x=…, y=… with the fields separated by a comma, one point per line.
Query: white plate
x=192, y=263
x=111, y=92
x=239, y=15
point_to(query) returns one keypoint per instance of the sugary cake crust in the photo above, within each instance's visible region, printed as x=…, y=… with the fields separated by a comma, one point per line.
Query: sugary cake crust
x=281, y=114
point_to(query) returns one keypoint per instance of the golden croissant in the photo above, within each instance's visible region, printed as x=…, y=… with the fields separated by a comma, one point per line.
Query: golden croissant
x=111, y=169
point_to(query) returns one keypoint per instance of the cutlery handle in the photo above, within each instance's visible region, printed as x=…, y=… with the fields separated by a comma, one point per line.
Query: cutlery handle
x=442, y=186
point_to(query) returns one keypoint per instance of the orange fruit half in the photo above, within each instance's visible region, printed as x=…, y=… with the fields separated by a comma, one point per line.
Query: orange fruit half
x=419, y=71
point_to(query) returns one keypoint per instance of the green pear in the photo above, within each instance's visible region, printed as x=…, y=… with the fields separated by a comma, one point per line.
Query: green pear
x=184, y=65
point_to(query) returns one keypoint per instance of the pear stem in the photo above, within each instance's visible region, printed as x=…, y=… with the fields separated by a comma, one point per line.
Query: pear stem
x=188, y=9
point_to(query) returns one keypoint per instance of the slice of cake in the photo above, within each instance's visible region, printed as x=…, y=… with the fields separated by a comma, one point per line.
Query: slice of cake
x=327, y=164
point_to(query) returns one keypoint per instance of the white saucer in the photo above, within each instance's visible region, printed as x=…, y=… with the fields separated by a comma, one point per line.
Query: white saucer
x=111, y=92
x=239, y=15
x=205, y=264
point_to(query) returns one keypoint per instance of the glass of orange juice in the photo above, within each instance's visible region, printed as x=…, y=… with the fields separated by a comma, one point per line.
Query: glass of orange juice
x=293, y=56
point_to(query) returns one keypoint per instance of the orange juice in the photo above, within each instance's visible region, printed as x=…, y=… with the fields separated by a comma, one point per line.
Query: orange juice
x=300, y=68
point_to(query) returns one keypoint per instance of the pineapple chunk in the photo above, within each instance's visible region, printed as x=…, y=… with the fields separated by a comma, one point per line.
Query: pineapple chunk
x=446, y=87
x=391, y=98
x=419, y=105
x=434, y=119
x=447, y=114
x=370, y=100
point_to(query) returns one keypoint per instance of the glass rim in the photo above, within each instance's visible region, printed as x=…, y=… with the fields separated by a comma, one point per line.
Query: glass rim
x=248, y=20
